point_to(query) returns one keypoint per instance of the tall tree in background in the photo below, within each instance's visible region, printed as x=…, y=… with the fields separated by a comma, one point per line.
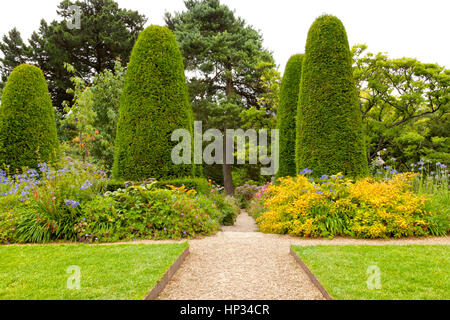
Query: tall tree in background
x=222, y=52
x=106, y=32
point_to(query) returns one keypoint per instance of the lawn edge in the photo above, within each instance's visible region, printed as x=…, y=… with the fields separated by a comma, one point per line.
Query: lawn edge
x=311, y=276
x=161, y=284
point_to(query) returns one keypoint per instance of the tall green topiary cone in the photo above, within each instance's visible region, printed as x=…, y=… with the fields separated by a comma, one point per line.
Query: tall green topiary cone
x=329, y=126
x=27, y=120
x=286, y=115
x=154, y=103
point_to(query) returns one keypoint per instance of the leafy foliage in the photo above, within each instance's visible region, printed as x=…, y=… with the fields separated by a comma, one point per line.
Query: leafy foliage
x=334, y=206
x=89, y=125
x=27, y=120
x=142, y=212
x=154, y=103
x=287, y=112
x=106, y=32
x=404, y=105
x=201, y=185
x=329, y=127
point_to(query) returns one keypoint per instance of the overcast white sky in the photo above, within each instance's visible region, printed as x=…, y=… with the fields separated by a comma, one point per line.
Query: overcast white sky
x=403, y=28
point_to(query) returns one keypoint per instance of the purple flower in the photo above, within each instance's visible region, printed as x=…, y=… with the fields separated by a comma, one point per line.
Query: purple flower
x=305, y=171
x=86, y=185
x=71, y=203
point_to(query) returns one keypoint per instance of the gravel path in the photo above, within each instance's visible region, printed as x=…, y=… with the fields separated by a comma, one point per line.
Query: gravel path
x=241, y=264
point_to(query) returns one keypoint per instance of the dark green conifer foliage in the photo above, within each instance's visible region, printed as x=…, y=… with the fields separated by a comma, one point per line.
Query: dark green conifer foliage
x=154, y=103
x=286, y=115
x=27, y=120
x=329, y=125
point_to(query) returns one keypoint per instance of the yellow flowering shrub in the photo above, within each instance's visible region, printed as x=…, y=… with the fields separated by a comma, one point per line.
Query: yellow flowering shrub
x=336, y=206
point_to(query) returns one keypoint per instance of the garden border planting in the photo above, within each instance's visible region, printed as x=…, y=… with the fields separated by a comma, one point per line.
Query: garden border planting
x=310, y=275
x=161, y=284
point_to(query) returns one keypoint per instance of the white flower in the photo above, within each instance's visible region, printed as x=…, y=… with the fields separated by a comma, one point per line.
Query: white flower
x=379, y=162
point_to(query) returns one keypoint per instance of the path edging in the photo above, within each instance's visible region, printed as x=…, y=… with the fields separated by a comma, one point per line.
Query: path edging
x=161, y=284
x=311, y=276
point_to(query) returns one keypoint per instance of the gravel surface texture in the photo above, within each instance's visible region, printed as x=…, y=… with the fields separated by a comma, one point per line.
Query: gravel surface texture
x=240, y=264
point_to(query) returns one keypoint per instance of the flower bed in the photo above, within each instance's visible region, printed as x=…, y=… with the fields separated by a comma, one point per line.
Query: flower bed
x=333, y=206
x=70, y=202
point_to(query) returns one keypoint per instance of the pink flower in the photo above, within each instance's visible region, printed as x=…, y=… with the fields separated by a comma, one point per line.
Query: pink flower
x=212, y=191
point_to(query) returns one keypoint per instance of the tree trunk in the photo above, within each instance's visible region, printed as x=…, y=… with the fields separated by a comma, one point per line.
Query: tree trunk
x=226, y=168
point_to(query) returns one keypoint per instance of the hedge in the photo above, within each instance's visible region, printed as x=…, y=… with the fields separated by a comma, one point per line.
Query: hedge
x=286, y=116
x=329, y=122
x=27, y=121
x=154, y=103
x=201, y=185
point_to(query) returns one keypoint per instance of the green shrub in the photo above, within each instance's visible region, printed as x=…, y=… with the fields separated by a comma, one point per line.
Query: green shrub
x=227, y=206
x=329, y=124
x=154, y=103
x=114, y=185
x=200, y=185
x=286, y=116
x=27, y=120
x=337, y=206
x=142, y=212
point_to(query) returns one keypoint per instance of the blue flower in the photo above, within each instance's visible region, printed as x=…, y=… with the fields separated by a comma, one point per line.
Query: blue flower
x=324, y=177
x=87, y=185
x=394, y=171
x=71, y=203
x=306, y=171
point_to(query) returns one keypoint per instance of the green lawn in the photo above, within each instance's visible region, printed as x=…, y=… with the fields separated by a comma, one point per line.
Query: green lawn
x=413, y=272
x=110, y=272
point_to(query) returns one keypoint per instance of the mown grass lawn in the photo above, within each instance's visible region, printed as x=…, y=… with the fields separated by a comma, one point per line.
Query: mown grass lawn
x=108, y=272
x=411, y=272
